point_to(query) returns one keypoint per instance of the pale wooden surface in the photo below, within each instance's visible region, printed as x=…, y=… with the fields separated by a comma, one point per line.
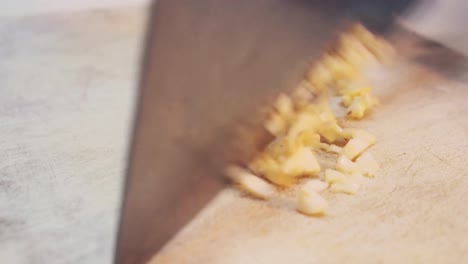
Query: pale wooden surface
x=415, y=211
x=67, y=87
x=66, y=91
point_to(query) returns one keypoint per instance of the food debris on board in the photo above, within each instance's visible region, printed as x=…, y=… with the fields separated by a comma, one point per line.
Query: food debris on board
x=304, y=125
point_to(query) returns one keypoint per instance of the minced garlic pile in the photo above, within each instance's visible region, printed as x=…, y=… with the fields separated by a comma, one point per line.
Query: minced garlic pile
x=304, y=124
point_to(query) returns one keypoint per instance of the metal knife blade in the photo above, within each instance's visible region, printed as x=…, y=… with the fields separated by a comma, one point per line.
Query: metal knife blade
x=208, y=66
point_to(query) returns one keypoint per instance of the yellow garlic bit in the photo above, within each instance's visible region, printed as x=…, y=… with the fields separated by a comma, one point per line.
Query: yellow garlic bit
x=350, y=185
x=315, y=185
x=311, y=203
x=271, y=170
x=302, y=163
x=345, y=165
x=354, y=148
x=345, y=187
x=361, y=140
x=319, y=78
x=334, y=176
x=250, y=183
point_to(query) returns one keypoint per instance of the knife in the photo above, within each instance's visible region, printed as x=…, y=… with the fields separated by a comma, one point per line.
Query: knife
x=208, y=66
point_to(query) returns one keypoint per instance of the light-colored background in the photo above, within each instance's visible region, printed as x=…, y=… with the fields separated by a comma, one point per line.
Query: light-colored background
x=29, y=7
x=67, y=84
x=440, y=20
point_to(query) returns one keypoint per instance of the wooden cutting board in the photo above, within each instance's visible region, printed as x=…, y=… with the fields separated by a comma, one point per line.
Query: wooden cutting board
x=414, y=211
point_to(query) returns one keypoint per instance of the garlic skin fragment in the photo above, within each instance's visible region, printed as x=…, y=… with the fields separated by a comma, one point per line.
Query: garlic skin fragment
x=311, y=203
x=250, y=183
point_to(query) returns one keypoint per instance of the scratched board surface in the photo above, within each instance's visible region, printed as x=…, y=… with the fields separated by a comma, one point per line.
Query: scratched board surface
x=67, y=84
x=66, y=92
x=414, y=211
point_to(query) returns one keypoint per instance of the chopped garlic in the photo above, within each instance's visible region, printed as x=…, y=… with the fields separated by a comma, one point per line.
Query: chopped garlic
x=319, y=77
x=351, y=92
x=360, y=142
x=358, y=100
x=345, y=187
x=265, y=165
x=308, y=139
x=381, y=49
x=315, y=185
x=330, y=131
x=311, y=203
x=349, y=133
x=346, y=100
x=302, y=95
x=367, y=163
x=363, y=34
x=339, y=67
x=345, y=165
x=334, y=148
x=354, y=147
x=284, y=105
x=275, y=125
x=302, y=122
x=350, y=185
x=302, y=163
x=353, y=45
x=250, y=183
x=357, y=108
x=334, y=176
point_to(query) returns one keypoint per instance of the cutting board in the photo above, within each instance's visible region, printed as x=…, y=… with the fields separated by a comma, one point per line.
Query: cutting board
x=414, y=211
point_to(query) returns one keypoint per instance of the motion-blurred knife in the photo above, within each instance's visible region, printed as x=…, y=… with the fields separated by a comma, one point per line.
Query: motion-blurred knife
x=208, y=66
